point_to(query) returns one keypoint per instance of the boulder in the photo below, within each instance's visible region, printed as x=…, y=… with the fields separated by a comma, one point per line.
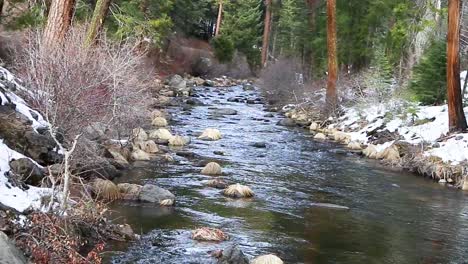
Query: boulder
x=212, y=169
x=267, y=259
x=150, y=193
x=140, y=155
x=209, y=234
x=202, y=66
x=27, y=171
x=179, y=85
x=465, y=184
x=161, y=133
x=178, y=141
x=159, y=122
x=95, y=131
x=210, y=134
x=148, y=146
x=232, y=255
x=288, y=122
x=9, y=254
x=217, y=183
x=314, y=126
x=139, y=134
x=370, y=152
x=238, y=191
x=248, y=87
x=157, y=113
x=354, y=146
x=320, y=136
x=118, y=156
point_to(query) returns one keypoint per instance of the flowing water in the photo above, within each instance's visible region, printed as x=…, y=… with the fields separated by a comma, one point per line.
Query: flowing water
x=394, y=217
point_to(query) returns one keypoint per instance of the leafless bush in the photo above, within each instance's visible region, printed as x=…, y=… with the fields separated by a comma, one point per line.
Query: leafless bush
x=239, y=68
x=76, y=86
x=283, y=83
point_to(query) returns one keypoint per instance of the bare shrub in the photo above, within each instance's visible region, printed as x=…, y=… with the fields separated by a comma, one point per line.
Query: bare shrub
x=282, y=83
x=239, y=68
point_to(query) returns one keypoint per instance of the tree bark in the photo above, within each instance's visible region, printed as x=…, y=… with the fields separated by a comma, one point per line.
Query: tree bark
x=457, y=120
x=220, y=18
x=58, y=22
x=331, y=99
x=266, y=33
x=99, y=15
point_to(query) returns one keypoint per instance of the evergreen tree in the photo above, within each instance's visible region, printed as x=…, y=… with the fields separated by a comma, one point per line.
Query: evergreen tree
x=243, y=26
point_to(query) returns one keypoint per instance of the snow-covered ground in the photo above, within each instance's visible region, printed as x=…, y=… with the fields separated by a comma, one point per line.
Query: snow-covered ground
x=416, y=124
x=15, y=197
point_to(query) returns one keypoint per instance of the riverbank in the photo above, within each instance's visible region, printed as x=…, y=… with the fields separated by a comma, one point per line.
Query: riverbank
x=397, y=132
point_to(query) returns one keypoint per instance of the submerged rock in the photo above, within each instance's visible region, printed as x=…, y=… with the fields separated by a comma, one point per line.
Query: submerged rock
x=232, y=255
x=224, y=111
x=329, y=206
x=288, y=122
x=209, y=234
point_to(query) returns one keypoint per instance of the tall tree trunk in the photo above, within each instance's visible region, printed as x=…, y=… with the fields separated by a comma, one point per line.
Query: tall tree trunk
x=331, y=99
x=58, y=22
x=144, y=6
x=457, y=120
x=99, y=15
x=266, y=32
x=220, y=18
x=309, y=62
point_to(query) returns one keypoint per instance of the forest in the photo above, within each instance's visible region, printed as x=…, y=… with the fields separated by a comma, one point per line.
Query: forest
x=233, y=131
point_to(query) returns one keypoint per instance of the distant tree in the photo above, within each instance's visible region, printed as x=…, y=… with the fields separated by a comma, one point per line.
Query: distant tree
x=220, y=17
x=331, y=99
x=457, y=120
x=58, y=21
x=99, y=15
x=266, y=32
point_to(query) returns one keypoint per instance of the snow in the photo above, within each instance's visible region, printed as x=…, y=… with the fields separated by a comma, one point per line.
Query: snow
x=454, y=150
x=15, y=197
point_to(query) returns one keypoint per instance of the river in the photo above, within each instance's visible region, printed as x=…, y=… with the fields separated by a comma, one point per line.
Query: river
x=393, y=216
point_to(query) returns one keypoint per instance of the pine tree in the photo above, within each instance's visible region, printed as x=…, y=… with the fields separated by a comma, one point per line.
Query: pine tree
x=58, y=22
x=332, y=60
x=266, y=32
x=243, y=25
x=99, y=15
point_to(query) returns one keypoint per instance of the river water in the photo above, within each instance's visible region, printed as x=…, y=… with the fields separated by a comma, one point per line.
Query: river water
x=394, y=217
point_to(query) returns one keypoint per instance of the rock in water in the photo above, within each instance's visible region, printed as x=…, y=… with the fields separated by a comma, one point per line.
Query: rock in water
x=153, y=194
x=232, y=255
x=178, y=141
x=148, y=146
x=212, y=168
x=9, y=254
x=159, y=122
x=238, y=191
x=217, y=183
x=161, y=133
x=354, y=146
x=288, y=122
x=129, y=191
x=314, y=126
x=210, y=134
x=224, y=111
x=27, y=171
x=370, y=152
x=209, y=234
x=267, y=259
x=465, y=184
x=140, y=155
x=179, y=85
x=320, y=136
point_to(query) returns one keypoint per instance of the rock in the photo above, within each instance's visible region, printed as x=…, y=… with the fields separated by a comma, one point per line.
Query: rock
x=129, y=191
x=320, y=136
x=238, y=191
x=9, y=254
x=17, y=133
x=27, y=171
x=314, y=126
x=465, y=184
x=354, y=146
x=224, y=111
x=217, y=183
x=391, y=153
x=202, y=66
x=157, y=113
x=194, y=101
x=210, y=134
x=179, y=85
x=140, y=155
x=218, y=152
x=153, y=194
x=178, y=141
x=232, y=255
x=161, y=133
x=139, y=134
x=212, y=169
x=248, y=87
x=269, y=115
x=95, y=131
x=169, y=93
x=342, y=137
x=159, y=122
x=267, y=259
x=117, y=154
x=370, y=151
x=209, y=234
x=288, y=122
x=148, y=146
x=209, y=83
x=126, y=231
x=259, y=145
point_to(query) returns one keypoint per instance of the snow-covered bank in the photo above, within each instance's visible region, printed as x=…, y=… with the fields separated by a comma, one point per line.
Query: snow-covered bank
x=21, y=199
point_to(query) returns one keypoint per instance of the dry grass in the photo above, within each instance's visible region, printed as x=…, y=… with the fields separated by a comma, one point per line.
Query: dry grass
x=105, y=190
x=238, y=191
x=209, y=234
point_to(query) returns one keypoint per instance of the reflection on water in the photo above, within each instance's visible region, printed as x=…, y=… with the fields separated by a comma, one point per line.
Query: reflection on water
x=395, y=217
